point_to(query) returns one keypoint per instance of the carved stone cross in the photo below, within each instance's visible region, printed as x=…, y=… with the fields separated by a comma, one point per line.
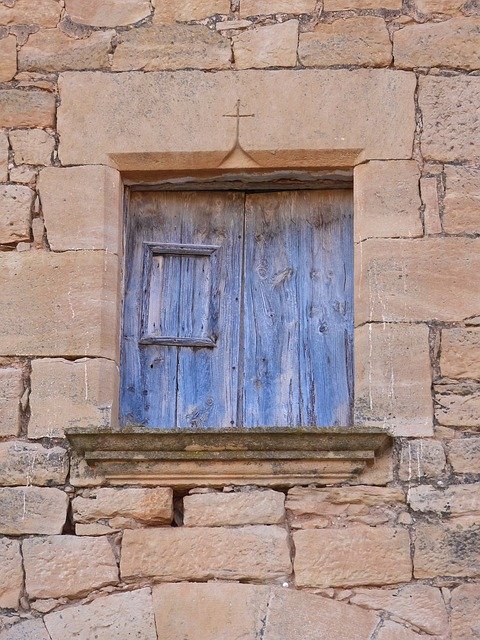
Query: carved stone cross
x=238, y=115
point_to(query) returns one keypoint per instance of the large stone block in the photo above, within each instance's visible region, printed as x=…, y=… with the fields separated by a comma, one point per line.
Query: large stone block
x=454, y=43
x=166, y=12
x=266, y=7
x=12, y=573
x=15, y=204
x=32, y=510
x=228, y=509
x=108, y=13
x=65, y=393
x=349, y=41
x=411, y=280
x=8, y=58
x=393, y=377
x=393, y=631
x=44, y=13
x=355, y=5
x=27, y=630
x=67, y=566
x=26, y=463
x=248, y=553
x=465, y=612
x=26, y=108
x=273, y=45
x=460, y=354
x=451, y=117
x=119, y=616
x=11, y=390
x=357, y=555
x=462, y=200
x=82, y=207
x=79, y=320
x=421, y=458
x=447, y=550
x=458, y=405
x=374, y=117
x=32, y=146
x=464, y=455
x=451, y=7
x=455, y=500
x=171, y=47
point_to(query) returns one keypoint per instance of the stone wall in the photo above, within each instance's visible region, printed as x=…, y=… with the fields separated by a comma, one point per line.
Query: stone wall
x=395, y=555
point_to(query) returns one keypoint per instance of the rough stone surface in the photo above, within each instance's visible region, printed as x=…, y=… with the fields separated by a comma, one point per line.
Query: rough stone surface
x=70, y=394
x=456, y=500
x=422, y=458
x=11, y=390
x=447, y=550
x=392, y=374
x=454, y=43
x=460, y=355
x=248, y=553
x=44, y=13
x=439, y=6
x=119, y=616
x=8, y=58
x=26, y=463
x=271, y=46
x=32, y=510
x=26, y=108
x=357, y=555
x=451, y=117
x=349, y=5
x=414, y=280
x=219, y=509
x=15, y=205
x=67, y=566
x=28, y=630
x=54, y=51
x=465, y=612
x=464, y=455
x=146, y=506
x=387, y=202
x=431, y=212
x=127, y=102
x=462, y=200
x=12, y=573
x=32, y=146
x=80, y=320
x=350, y=41
x=3, y=157
x=171, y=47
x=458, y=405
x=417, y=604
x=393, y=631
x=166, y=12
x=108, y=13
x=81, y=207
x=266, y=7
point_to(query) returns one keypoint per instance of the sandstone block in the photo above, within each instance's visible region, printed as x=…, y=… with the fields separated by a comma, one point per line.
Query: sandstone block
x=393, y=631
x=424, y=279
x=70, y=394
x=458, y=405
x=248, y=553
x=456, y=500
x=355, y=5
x=24, y=174
x=82, y=207
x=12, y=573
x=387, y=202
x=171, y=47
x=32, y=510
x=465, y=612
x=357, y=555
x=350, y=41
x=11, y=390
x=26, y=108
x=266, y=7
x=67, y=566
x=28, y=630
x=431, y=213
x=44, y=13
x=460, y=355
x=308, y=507
x=454, y=43
x=15, y=205
x=54, y=51
x=79, y=321
x=147, y=506
x=274, y=45
x=451, y=117
x=447, y=550
x=26, y=463
x=82, y=474
x=108, y=13
x=3, y=157
x=422, y=458
x=462, y=200
x=439, y=6
x=32, y=146
x=227, y=509
x=392, y=374
x=8, y=58
x=417, y=604
x=166, y=12
x=119, y=616
x=464, y=455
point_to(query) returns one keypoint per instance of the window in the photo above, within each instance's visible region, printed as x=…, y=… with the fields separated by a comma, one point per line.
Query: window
x=238, y=309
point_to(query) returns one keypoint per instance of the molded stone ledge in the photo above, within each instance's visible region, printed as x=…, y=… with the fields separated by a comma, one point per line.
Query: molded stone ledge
x=267, y=457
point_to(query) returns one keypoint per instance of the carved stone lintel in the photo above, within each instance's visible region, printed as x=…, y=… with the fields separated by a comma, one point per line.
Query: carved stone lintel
x=267, y=457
